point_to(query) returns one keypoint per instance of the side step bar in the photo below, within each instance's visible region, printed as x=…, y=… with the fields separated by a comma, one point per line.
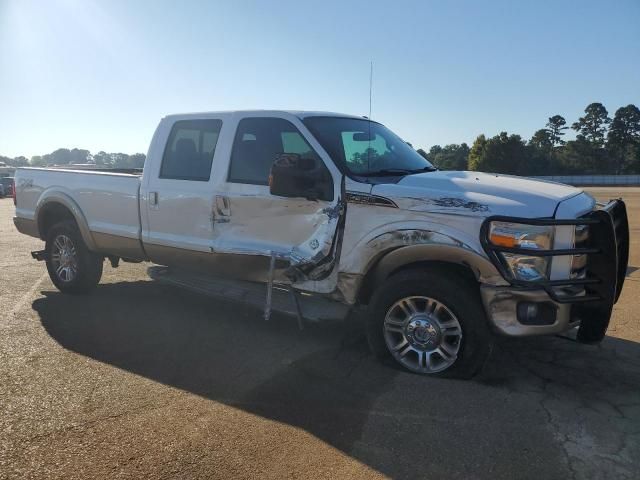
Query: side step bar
x=313, y=308
x=40, y=255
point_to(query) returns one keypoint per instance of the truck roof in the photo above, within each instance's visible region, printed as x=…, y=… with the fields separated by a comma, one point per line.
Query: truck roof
x=298, y=113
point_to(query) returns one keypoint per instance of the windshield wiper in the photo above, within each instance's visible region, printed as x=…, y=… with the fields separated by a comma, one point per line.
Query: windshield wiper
x=424, y=169
x=386, y=171
x=396, y=172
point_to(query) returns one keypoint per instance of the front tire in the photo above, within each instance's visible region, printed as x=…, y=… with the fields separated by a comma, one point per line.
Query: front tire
x=72, y=267
x=430, y=323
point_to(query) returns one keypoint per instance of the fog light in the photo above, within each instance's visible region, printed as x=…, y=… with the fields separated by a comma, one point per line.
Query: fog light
x=530, y=313
x=527, y=312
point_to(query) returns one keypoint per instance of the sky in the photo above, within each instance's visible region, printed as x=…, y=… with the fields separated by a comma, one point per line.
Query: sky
x=99, y=74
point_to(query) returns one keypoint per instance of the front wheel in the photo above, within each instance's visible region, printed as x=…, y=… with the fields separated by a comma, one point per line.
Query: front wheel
x=431, y=323
x=72, y=267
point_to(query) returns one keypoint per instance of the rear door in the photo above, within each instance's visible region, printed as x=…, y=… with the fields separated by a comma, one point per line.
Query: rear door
x=177, y=195
x=252, y=225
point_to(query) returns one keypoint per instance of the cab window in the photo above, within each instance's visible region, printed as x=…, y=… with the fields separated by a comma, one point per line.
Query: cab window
x=189, y=151
x=257, y=143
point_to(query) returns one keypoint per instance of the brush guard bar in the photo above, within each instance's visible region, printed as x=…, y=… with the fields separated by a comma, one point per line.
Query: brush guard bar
x=607, y=251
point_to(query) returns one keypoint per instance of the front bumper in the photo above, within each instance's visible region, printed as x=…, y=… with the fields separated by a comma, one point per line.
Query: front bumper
x=562, y=304
x=501, y=305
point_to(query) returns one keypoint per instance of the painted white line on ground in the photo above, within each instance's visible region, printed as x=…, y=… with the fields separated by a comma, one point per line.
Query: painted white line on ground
x=27, y=296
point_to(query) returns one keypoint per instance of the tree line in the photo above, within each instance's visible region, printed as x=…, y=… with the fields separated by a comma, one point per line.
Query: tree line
x=601, y=146
x=65, y=156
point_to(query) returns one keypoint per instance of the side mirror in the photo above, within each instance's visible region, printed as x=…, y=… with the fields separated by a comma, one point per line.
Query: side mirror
x=295, y=176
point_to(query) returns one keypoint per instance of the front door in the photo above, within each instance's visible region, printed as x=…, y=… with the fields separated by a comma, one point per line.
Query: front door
x=252, y=225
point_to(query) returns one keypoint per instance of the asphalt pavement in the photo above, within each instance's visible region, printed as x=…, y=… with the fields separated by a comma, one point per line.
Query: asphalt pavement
x=142, y=380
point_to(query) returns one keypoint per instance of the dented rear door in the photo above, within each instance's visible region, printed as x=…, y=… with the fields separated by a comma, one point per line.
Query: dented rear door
x=251, y=226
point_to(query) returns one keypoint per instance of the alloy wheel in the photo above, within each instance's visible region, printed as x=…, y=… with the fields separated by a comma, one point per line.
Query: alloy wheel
x=422, y=334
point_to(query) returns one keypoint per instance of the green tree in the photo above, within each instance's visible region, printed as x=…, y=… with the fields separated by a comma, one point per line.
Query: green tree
x=627, y=158
x=593, y=126
x=503, y=153
x=556, y=127
x=423, y=154
x=542, y=140
x=120, y=160
x=37, y=161
x=433, y=151
x=581, y=157
x=103, y=159
x=541, y=150
x=14, y=162
x=64, y=156
x=625, y=127
x=451, y=157
x=476, y=153
x=137, y=160
x=623, y=141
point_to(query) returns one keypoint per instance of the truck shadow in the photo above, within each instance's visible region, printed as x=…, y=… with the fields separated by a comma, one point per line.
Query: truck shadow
x=324, y=381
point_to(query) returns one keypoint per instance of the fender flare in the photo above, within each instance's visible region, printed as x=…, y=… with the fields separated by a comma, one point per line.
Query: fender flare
x=54, y=196
x=482, y=268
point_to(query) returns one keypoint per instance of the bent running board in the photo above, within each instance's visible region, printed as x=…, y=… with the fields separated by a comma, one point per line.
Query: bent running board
x=313, y=308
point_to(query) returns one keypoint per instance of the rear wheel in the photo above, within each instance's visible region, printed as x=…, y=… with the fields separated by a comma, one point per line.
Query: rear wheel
x=72, y=267
x=431, y=323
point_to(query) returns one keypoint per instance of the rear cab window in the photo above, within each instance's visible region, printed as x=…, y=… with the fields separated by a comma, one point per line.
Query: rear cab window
x=189, y=151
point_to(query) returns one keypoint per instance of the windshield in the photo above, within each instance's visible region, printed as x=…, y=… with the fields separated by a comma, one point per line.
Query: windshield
x=366, y=148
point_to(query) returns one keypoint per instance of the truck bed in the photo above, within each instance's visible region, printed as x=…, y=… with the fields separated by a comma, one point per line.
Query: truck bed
x=107, y=200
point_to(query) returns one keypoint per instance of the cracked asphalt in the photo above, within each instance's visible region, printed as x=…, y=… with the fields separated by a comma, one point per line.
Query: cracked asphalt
x=141, y=380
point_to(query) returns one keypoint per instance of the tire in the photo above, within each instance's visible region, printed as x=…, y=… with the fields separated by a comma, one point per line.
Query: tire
x=71, y=266
x=594, y=325
x=454, y=341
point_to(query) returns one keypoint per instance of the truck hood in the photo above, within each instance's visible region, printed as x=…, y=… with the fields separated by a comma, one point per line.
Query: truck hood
x=477, y=194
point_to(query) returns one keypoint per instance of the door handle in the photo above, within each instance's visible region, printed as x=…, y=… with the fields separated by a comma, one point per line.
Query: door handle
x=222, y=206
x=153, y=198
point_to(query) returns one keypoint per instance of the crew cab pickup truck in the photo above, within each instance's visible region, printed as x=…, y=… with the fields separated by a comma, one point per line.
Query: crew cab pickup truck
x=340, y=208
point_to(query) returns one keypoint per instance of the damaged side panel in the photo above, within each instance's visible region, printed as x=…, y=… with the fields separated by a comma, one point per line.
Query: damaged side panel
x=377, y=247
x=331, y=257
x=386, y=238
x=316, y=266
x=304, y=237
x=398, y=238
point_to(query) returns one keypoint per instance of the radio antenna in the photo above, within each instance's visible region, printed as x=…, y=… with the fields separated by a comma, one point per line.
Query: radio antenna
x=369, y=136
x=370, y=87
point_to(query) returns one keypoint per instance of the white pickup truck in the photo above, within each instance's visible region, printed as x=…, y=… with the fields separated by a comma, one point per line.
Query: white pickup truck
x=340, y=208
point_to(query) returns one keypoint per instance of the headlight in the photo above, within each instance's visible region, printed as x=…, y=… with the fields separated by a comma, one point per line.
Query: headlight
x=527, y=237
x=527, y=268
x=518, y=235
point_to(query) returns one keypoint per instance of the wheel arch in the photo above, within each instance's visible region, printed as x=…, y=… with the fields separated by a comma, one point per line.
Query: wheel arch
x=53, y=207
x=456, y=259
